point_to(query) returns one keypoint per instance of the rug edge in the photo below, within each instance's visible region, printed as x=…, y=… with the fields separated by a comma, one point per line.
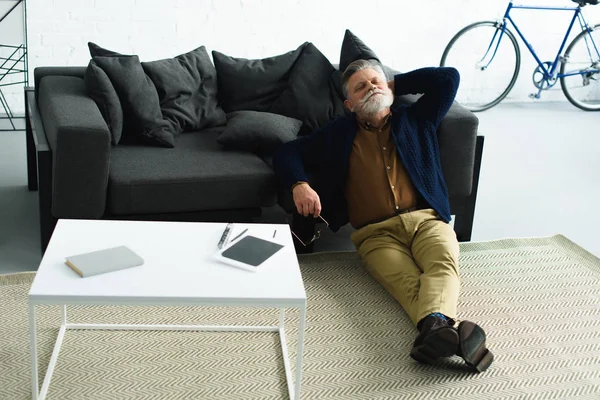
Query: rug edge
x=17, y=278
x=576, y=251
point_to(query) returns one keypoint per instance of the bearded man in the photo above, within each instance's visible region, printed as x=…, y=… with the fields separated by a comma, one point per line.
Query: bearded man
x=378, y=168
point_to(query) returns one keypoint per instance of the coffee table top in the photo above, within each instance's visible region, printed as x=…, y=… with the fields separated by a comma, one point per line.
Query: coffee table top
x=179, y=268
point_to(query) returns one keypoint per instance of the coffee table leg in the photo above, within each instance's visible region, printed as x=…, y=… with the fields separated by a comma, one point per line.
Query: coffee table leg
x=33, y=349
x=301, y=327
x=64, y=316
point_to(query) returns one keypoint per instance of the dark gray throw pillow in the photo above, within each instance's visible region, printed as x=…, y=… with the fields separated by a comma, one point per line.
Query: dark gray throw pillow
x=252, y=84
x=101, y=90
x=142, y=116
x=312, y=93
x=96, y=50
x=187, y=90
x=354, y=49
x=258, y=132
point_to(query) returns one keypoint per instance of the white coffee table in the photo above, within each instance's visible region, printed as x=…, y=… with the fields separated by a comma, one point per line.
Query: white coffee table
x=171, y=250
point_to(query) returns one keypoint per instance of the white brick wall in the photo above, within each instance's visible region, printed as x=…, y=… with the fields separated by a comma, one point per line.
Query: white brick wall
x=405, y=34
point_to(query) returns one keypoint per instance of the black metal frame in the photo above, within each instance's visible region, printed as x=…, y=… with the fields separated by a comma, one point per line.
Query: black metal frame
x=39, y=166
x=18, y=57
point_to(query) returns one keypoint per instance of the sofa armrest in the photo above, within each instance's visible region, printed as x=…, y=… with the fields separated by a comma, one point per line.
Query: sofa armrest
x=41, y=72
x=457, y=136
x=80, y=143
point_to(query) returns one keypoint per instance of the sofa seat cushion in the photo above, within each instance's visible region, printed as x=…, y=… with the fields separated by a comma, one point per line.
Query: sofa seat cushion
x=197, y=174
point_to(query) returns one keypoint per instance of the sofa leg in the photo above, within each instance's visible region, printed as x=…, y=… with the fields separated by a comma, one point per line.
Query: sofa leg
x=304, y=227
x=463, y=224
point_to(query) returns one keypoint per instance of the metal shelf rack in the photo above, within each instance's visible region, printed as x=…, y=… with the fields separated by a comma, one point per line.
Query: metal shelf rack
x=13, y=60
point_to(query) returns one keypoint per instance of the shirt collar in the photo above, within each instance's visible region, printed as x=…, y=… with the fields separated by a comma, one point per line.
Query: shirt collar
x=369, y=127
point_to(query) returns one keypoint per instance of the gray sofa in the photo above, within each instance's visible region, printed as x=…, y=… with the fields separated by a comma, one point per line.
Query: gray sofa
x=79, y=174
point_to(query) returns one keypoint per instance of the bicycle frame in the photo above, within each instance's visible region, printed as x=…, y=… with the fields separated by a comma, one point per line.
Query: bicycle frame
x=551, y=73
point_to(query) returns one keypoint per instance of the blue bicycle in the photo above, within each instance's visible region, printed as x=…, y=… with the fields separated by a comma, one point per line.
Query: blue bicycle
x=488, y=58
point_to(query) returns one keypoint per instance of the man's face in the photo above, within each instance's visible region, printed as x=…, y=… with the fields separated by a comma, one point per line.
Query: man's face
x=368, y=93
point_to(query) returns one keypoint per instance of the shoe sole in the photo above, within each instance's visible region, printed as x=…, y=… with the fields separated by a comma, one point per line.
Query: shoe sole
x=440, y=343
x=472, y=346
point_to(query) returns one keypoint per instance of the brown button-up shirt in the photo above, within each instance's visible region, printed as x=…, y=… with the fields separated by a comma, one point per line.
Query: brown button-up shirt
x=378, y=185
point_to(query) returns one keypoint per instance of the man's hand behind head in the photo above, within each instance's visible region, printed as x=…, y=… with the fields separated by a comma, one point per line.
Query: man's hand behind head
x=306, y=200
x=392, y=85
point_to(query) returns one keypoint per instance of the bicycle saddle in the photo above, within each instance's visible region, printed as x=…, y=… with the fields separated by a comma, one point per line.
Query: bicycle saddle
x=584, y=2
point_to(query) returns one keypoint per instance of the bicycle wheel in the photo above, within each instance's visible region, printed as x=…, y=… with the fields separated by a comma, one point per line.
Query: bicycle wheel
x=488, y=60
x=581, y=64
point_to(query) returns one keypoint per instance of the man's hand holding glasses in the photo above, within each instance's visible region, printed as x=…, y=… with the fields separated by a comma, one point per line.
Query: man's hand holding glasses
x=306, y=200
x=307, y=203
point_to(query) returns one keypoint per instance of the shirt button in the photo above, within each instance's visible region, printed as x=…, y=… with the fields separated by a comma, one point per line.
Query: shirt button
x=384, y=148
x=393, y=187
x=397, y=207
x=388, y=167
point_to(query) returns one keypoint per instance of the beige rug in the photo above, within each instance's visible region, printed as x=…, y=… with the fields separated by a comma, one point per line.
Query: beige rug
x=538, y=299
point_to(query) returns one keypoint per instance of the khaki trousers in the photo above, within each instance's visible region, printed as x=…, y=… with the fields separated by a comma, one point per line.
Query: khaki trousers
x=415, y=257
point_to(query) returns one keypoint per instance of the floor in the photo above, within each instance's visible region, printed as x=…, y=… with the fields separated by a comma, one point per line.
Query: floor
x=539, y=177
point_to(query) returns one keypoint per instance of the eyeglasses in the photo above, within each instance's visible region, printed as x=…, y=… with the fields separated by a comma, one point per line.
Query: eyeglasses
x=315, y=236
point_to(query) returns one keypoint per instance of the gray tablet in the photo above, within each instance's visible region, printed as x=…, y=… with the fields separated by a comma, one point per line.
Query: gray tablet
x=251, y=250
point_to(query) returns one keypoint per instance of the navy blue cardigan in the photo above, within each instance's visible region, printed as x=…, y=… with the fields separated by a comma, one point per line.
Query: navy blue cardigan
x=326, y=152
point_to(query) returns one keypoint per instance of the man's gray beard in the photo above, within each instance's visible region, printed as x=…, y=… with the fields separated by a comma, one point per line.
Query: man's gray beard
x=374, y=105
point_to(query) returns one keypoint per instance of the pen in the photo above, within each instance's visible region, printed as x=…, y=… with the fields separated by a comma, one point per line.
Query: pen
x=225, y=235
x=274, y=233
x=244, y=231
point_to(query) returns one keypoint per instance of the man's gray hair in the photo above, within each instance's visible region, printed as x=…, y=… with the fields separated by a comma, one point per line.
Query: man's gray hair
x=356, y=66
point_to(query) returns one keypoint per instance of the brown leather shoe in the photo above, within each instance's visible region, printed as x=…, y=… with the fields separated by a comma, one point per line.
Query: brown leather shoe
x=472, y=346
x=438, y=338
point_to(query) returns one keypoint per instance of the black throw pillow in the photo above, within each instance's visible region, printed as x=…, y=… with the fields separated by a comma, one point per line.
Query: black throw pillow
x=101, y=90
x=354, y=49
x=187, y=90
x=142, y=116
x=252, y=84
x=258, y=132
x=311, y=95
x=96, y=50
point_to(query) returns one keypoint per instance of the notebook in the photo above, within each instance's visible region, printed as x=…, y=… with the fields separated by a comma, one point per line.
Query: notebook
x=103, y=261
